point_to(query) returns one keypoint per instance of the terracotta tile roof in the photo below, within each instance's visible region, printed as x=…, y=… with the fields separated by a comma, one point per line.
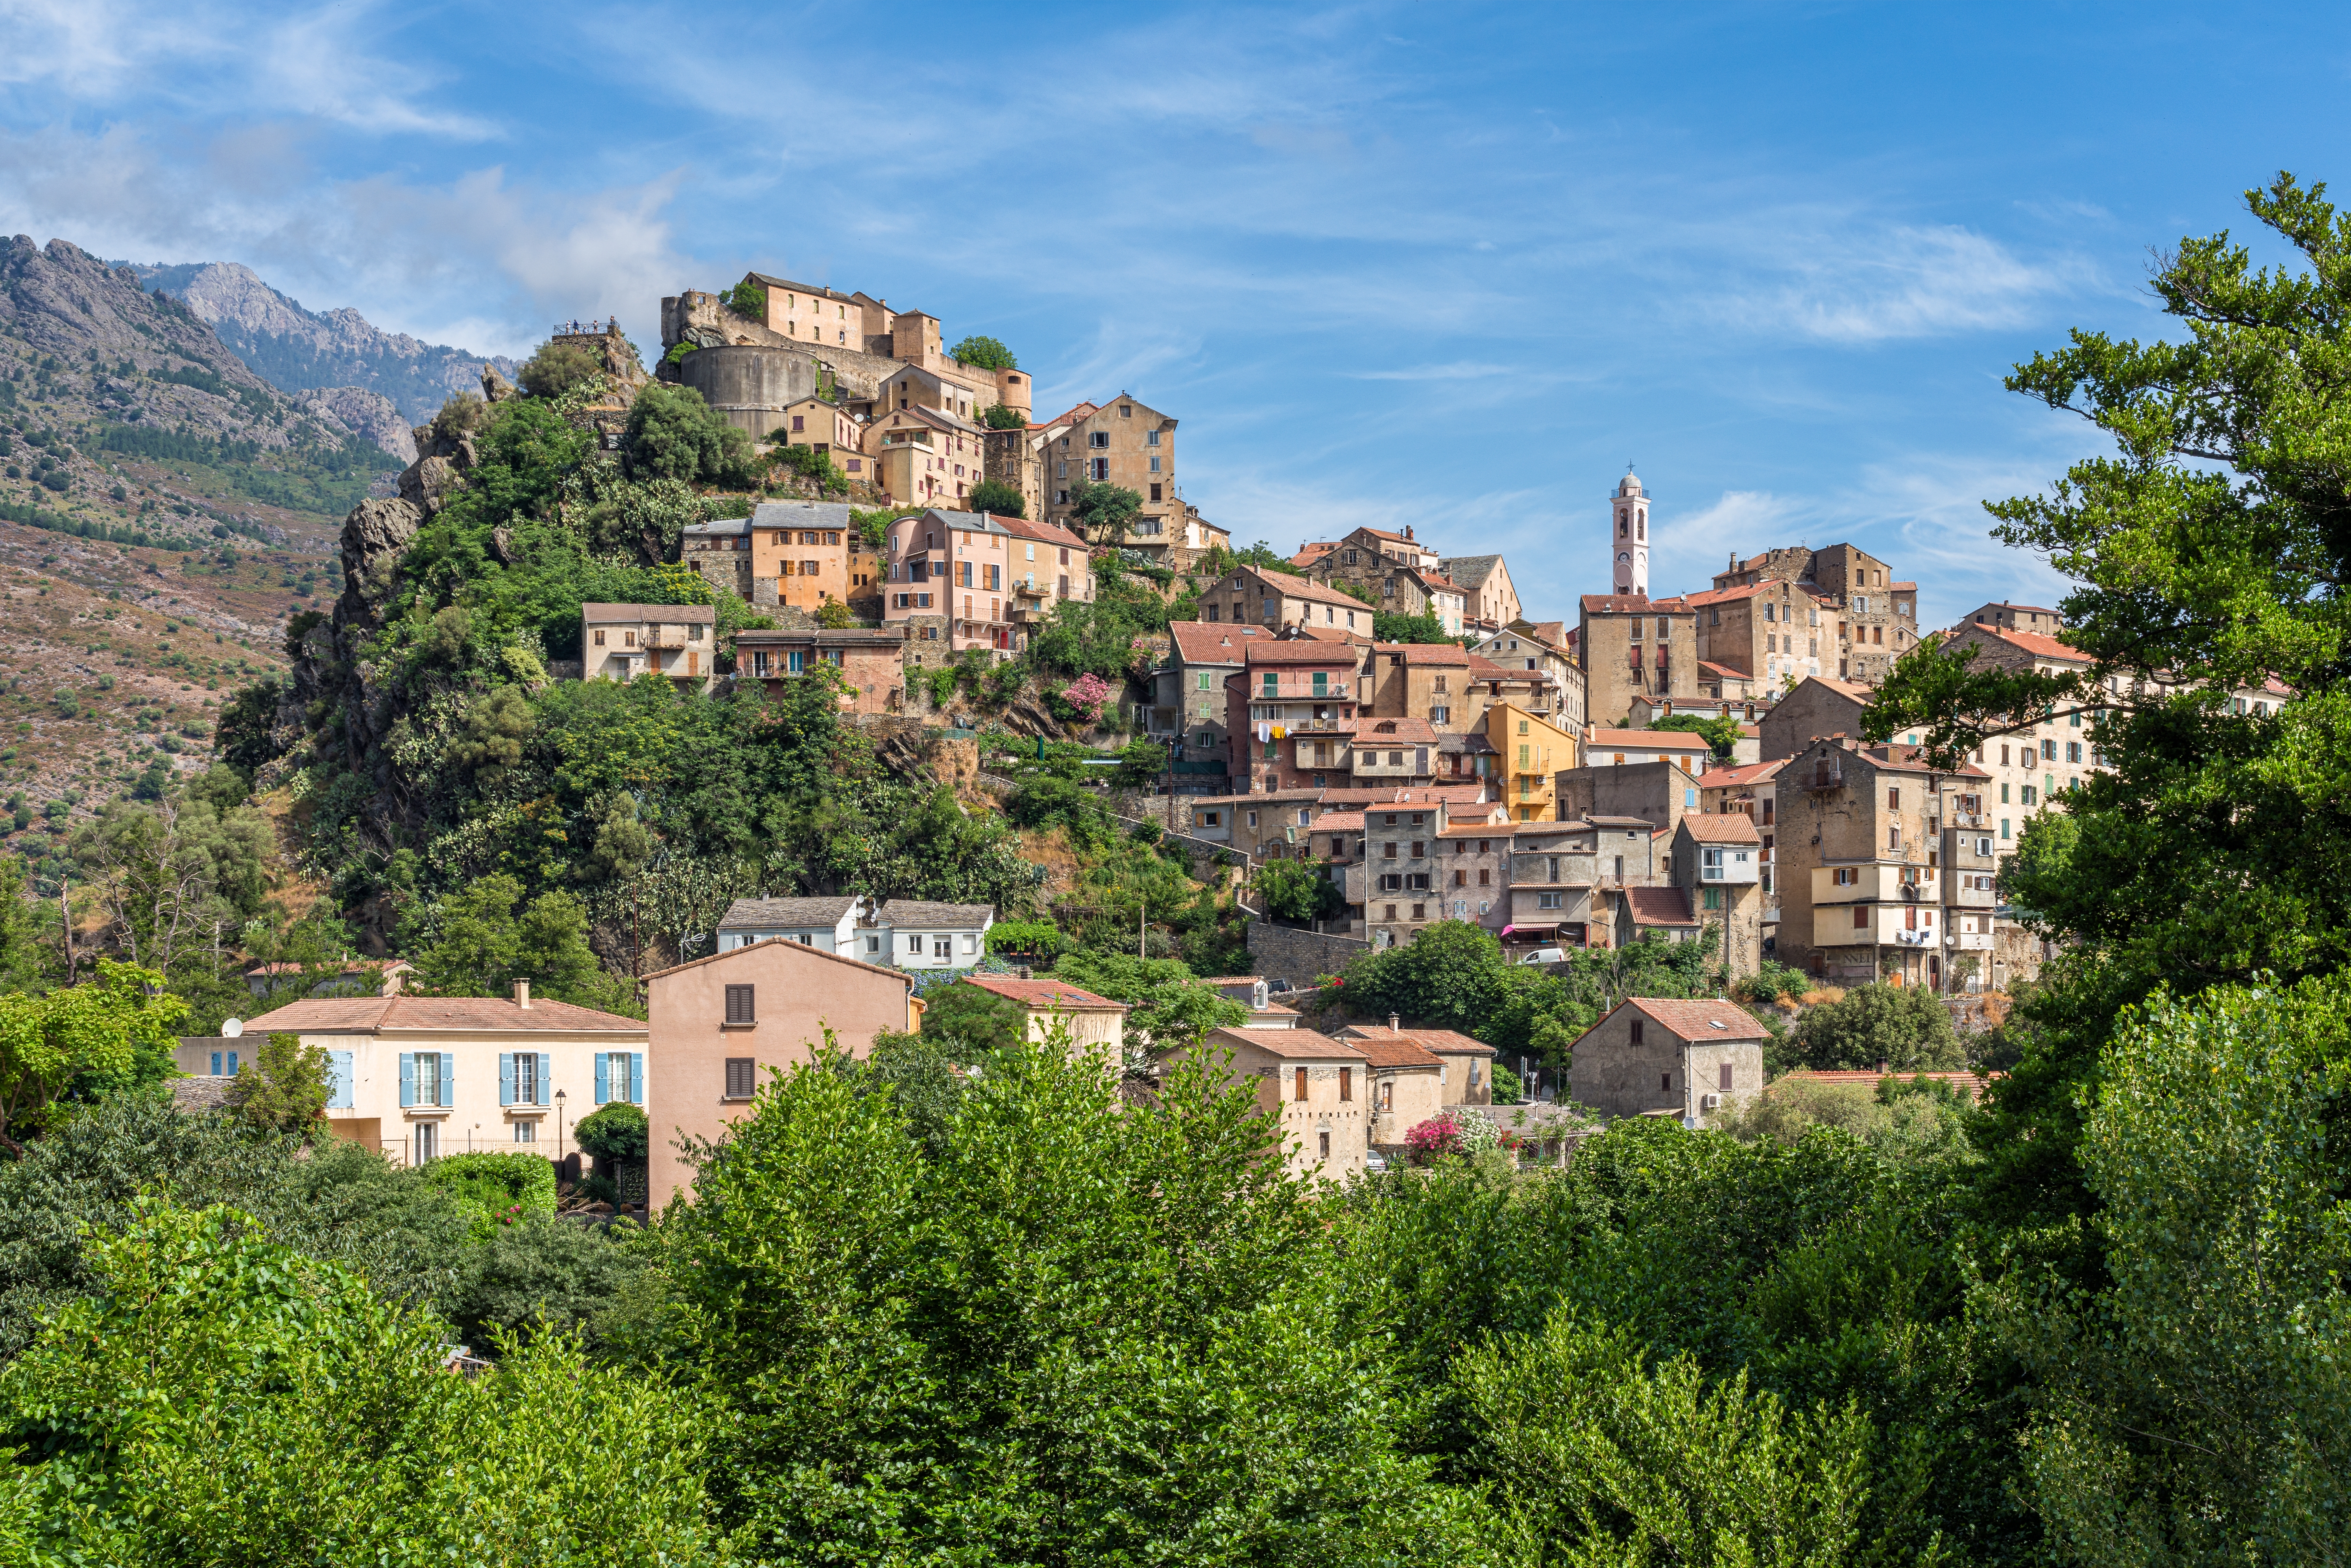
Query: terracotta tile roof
x=1078, y=411
x=1724, y=672
x=1631, y=604
x=1913, y=759
x=1485, y=669
x=1486, y=830
x=789, y=951
x=1043, y=533
x=1302, y=1044
x=1227, y=979
x=1650, y=740
x=1659, y=905
x=1200, y=643
x=1301, y=652
x=682, y=614
x=1313, y=593
x=2035, y=643
x=1696, y=1019
x=1721, y=828
x=1337, y=823
x=1723, y=595
x=1396, y=1051
x=1043, y=994
x=1403, y=731
x=1448, y=654
x=1326, y=635
x=1379, y=798
x=1748, y=773
x=1438, y=1042
x=1258, y=799
x=368, y=1015
x=1902, y=587
x=1859, y=693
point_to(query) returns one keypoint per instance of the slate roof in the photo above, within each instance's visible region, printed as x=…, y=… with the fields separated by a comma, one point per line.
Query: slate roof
x=1468, y=570
x=801, y=515
x=679, y=614
x=811, y=912
x=903, y=913
x=368, y=1015
x=1043, y=993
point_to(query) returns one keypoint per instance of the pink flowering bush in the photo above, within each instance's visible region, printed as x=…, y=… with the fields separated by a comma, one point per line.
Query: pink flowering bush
x=1427, y=1141
x=1086, y=694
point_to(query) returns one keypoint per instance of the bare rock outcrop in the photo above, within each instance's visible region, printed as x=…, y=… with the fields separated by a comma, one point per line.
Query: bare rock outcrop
x=369, y=415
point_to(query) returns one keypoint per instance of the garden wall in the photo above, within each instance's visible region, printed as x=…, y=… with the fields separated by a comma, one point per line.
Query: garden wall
x=1286, y=952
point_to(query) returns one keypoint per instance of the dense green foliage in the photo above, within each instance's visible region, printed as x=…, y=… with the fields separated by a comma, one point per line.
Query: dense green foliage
x=557, y=368
x=1907, y=1027
x=1723, y=734
x=984, y=354
x=973, y=1022
x=748, y=300
x=996, y=495
x=1394, y=626
x=495, y=1190
x=284, y=1088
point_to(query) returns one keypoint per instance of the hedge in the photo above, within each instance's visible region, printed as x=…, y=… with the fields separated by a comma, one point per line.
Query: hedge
x=496, y=1189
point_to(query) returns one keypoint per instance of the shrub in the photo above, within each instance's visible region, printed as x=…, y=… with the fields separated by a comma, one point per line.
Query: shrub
x=496, y=1189
x=996, y=495
x=1084, y=697
x=673, y=433
x=996, y=416
x=985, y=354
x=1025, y=939
x=557, y=368
x=1425, y=1142
x=618, y=1132
x=748, y=300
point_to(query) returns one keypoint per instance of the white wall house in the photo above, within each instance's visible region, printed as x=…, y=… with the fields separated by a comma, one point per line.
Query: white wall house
x=829, y=925
x=904, y=933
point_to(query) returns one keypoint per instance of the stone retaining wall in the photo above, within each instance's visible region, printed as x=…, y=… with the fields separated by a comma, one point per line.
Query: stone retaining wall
x=1285, y=953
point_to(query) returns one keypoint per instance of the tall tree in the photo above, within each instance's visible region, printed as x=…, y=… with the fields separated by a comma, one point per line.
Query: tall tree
x=2211, y=546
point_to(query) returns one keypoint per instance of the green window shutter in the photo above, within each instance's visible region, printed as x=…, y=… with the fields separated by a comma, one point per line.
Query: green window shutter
x=603, y=1078
x=448, y=1078
x=636, y=1078
x=407, y=1080
x=505, y=1078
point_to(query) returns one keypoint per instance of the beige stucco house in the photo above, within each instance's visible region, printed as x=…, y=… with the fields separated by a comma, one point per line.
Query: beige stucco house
x=1313, y=1087
x=623, y=642
x=420, y=1077
x=1096, y=1024
x=720, y=1023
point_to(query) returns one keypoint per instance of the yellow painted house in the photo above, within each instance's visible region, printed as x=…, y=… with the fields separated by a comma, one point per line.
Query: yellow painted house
x=1531, y=750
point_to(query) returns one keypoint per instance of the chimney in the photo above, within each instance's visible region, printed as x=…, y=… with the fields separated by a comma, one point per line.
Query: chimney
x=522, y=993
x=1393, y=1024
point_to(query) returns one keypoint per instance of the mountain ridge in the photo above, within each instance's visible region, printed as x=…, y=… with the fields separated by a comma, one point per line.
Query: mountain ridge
x=299, y=350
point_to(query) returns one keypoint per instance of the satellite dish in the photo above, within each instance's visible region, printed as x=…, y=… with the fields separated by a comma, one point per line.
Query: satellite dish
x=232, y=1027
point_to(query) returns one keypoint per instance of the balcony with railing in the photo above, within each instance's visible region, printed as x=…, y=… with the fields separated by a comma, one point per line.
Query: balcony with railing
x=1875, y=882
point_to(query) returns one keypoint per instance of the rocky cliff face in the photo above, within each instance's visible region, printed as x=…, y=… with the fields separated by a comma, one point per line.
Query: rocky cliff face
x=298, y=350
x=366, y=415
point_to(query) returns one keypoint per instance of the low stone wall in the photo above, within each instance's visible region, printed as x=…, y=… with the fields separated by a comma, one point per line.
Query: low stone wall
x=1285, y=953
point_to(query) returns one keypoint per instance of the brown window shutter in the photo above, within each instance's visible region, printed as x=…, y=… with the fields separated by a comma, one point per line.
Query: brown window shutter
x=742, y=1077
x=1301, y=1083
x=740, y=1005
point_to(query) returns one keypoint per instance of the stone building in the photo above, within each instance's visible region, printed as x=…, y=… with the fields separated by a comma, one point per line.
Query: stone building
x=623, y=642
x=1416, y=680
x=1860, y=860
x=1717, y=861
x=1817, y=706
x=1632, y=646
x=870, y=659
x=1289, y=712
x=1767, y=633
x=2009, y=616
x=926, y=458
x=1314, y=1089
x=1407, y=1088
x=1188, y=698
x=1275, y=600
x=1492, y=598
x=1543, y=650
x=1466, y=1075
x=1095, y=1026
x=1875, y=618
x=1127, y=443
x=2030, y=767
x=1688, y=1059
x=789, y=553
x=1397, y=573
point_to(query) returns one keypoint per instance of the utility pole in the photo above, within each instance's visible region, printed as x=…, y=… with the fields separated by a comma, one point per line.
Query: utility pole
x=65, y=910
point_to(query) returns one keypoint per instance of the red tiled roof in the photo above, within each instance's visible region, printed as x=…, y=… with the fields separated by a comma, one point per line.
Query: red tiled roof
x=1337, y=823
x=1043, y=533
x=1696, y=1019
x=2035, y=643
x=1659, y=905
x=1300, y=651
x=1484, y=669
x=1294, y=1042
x=1651, y=740
x=366, y=1015
x=1438, y=1042
x=1747, y=773
x=1403, y=731
x=1724, y=672
x=1723, y=595
x=1394, y=1050
x=1449, y=654
x=1902, y=587
x=1045, y=993
x=1205, y=643
x=1722, y=828
x=1631, y=604
x=1859, y=693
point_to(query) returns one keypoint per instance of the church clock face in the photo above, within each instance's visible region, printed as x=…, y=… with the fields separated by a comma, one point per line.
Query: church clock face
x=1624, y=556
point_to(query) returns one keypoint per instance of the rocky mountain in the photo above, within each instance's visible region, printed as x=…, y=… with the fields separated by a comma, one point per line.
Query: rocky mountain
x=299, y=350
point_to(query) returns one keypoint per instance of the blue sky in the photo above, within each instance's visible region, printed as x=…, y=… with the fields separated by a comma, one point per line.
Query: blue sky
x=1451, y=266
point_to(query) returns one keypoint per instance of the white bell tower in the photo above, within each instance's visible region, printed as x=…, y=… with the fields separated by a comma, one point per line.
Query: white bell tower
x=1630, y=536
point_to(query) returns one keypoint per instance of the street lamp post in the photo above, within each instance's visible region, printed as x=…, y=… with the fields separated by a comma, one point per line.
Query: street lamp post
x=559, y=1127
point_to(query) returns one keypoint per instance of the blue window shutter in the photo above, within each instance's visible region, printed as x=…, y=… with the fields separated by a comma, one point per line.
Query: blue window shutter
x=339, y=1093
x=217, y=1061
x=546, y=1075
x=505, y=1078
x=636, y=1078
x=232, y=1064
x=407, y=1078
x=603, y=1078
x=448, y=1076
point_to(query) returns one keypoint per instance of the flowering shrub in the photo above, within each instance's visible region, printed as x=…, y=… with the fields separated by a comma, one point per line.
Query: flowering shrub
x=1425, y=1142
x=1086, y=695
x=1477, y=1133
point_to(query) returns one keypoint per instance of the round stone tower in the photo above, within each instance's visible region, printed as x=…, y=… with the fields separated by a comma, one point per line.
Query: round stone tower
x=1631, y=504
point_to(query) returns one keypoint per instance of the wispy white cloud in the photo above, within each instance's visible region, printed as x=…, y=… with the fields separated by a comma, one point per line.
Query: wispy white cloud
x=1867, y=285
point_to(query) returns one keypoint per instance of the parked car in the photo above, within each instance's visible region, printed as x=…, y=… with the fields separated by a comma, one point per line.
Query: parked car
x=1546, y=956
x=1277, y=987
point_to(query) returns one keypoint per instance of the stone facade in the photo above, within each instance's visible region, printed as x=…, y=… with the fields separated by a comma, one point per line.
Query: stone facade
x=1817, y=707
x=1688, y=1059
x=1633, y=645
x=1874, y=617
x=1286, y=952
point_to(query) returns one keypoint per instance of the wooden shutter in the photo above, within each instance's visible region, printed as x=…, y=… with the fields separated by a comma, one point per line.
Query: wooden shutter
x=739, y=1007
x=741, y=1076
x=545, y=1076
x=1346, y=1083
x=1726, y=1076
x=505, y=1078
x=338, y=1084
x=1301, y=1083
x=407, y=1078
